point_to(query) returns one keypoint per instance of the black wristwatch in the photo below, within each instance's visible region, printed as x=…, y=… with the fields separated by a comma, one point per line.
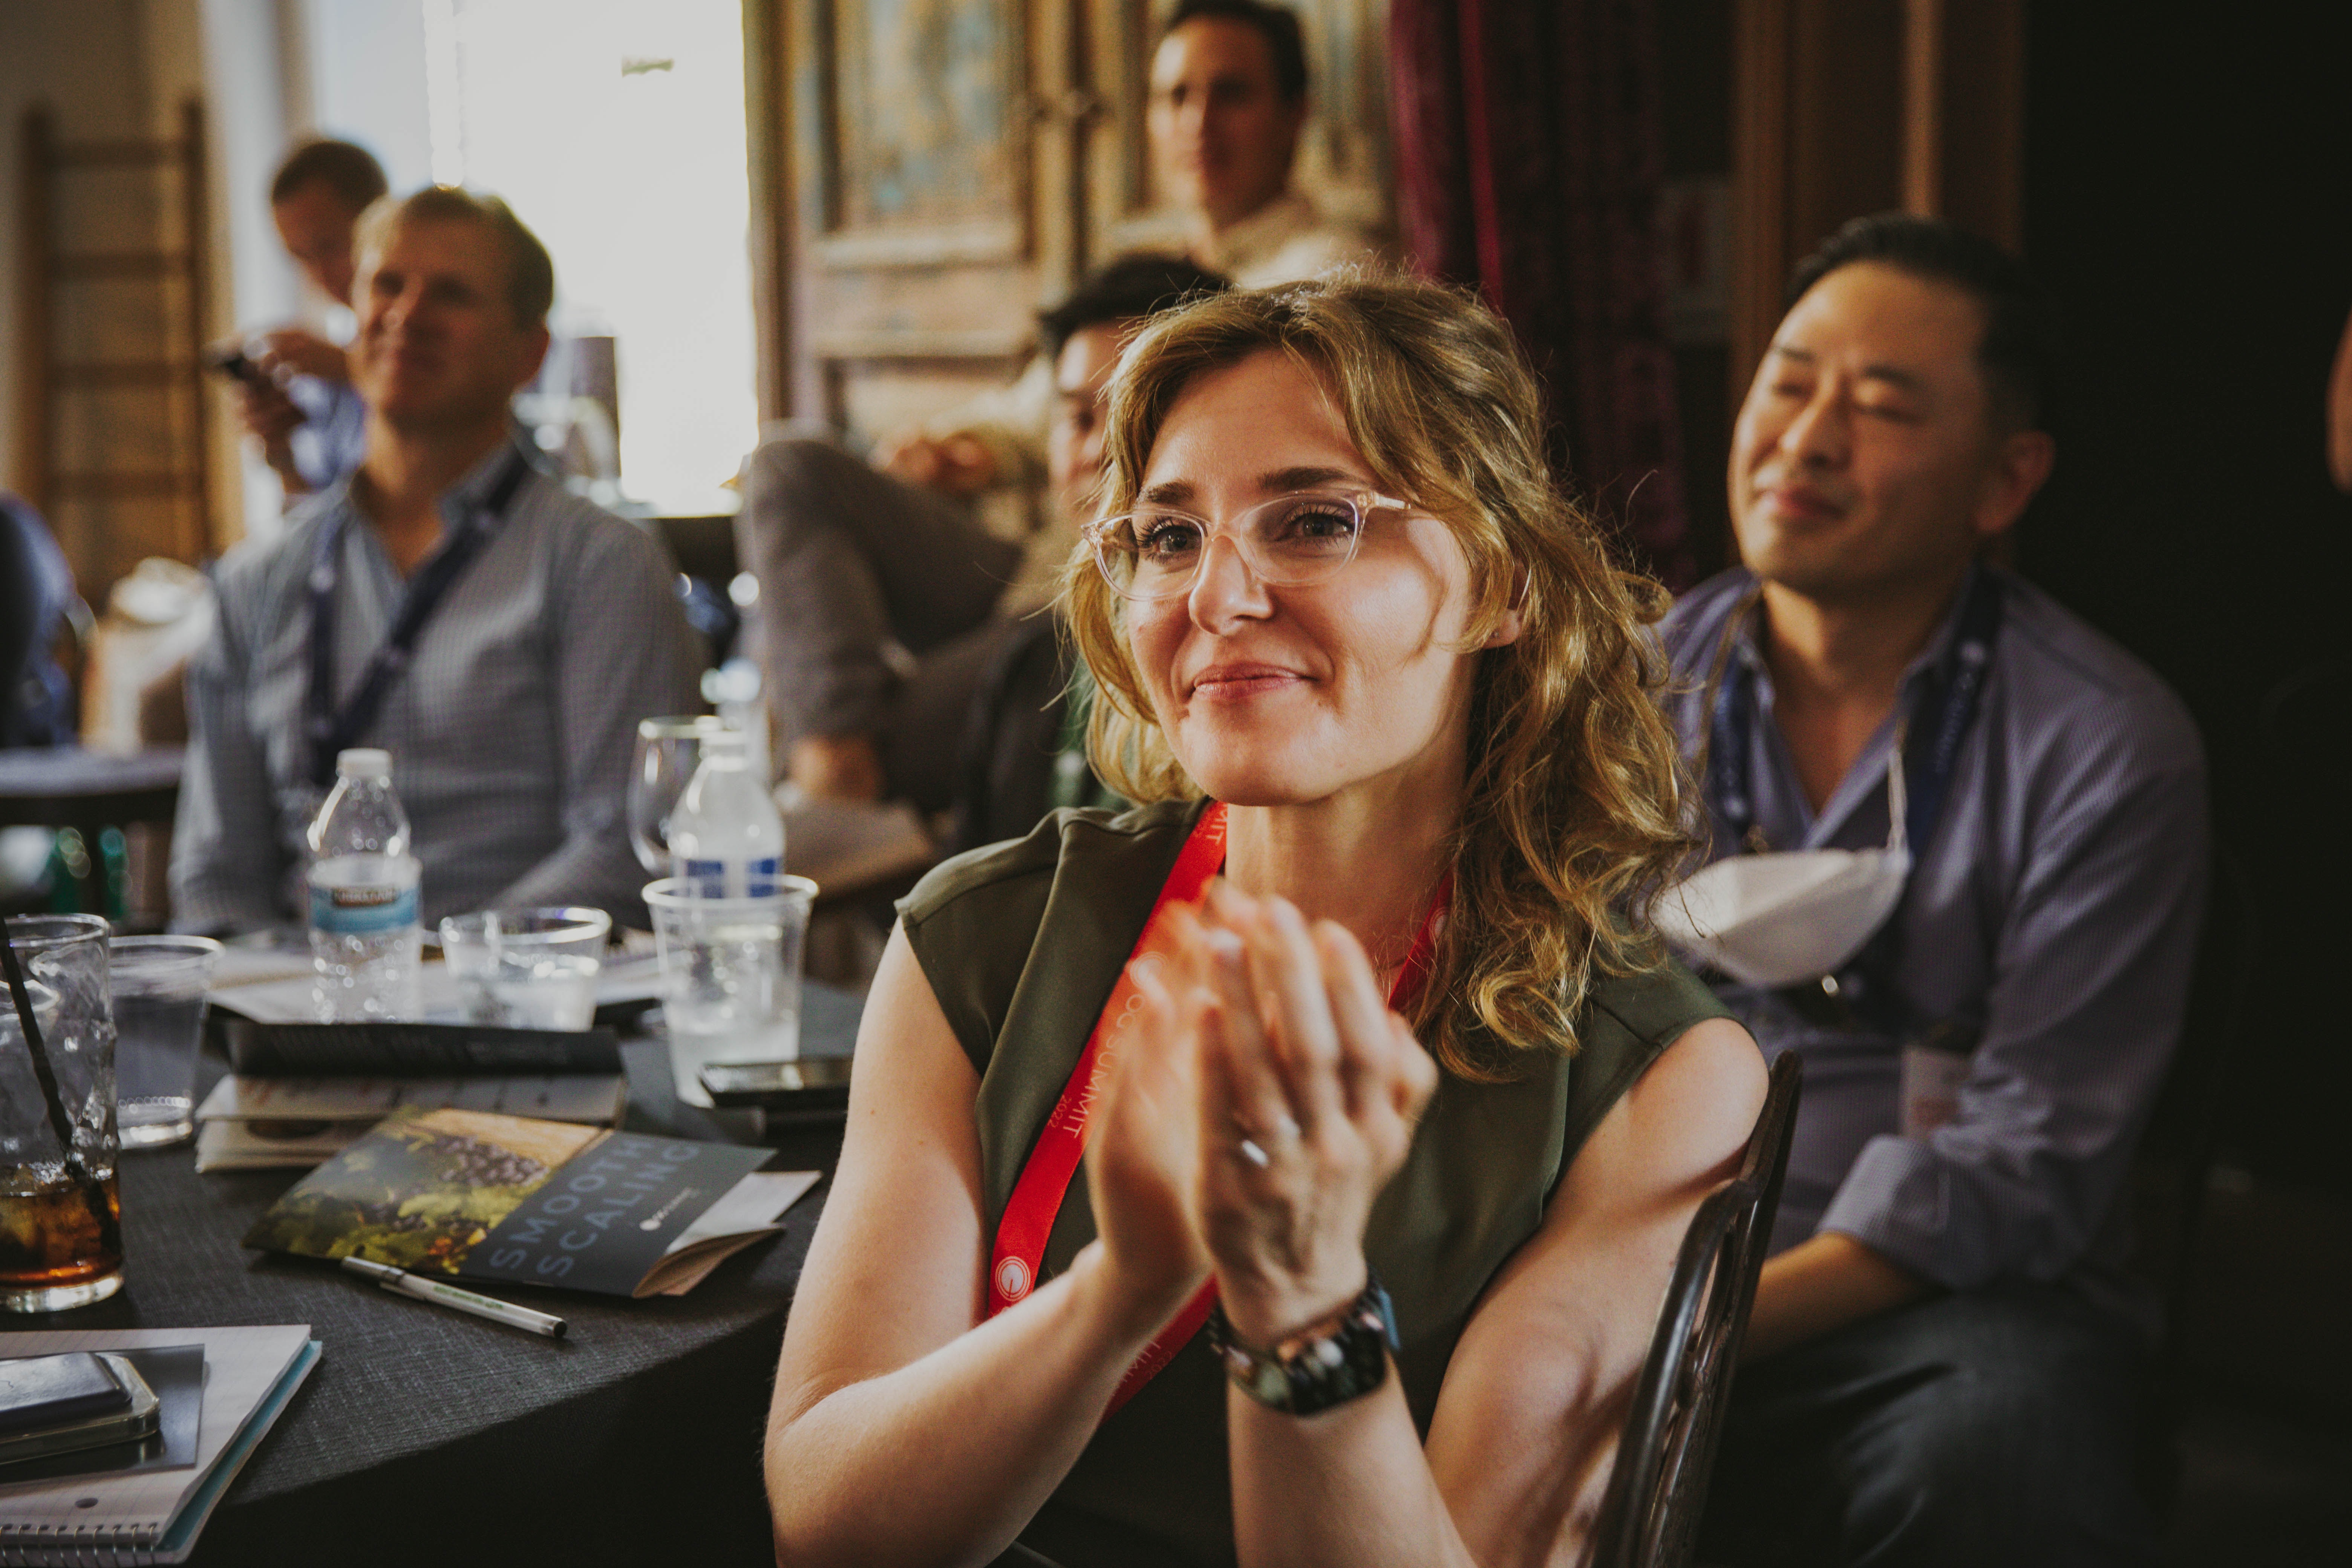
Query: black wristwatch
x=1326, y=1364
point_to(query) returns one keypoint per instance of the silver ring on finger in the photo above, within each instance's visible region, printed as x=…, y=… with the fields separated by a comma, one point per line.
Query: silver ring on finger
x=1258, y=1146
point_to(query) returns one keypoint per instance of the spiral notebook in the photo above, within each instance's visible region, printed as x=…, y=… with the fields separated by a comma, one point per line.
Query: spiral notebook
x=153, y=1516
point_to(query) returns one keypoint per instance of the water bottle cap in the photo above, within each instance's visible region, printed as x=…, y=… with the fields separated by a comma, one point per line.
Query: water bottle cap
x=364, y=762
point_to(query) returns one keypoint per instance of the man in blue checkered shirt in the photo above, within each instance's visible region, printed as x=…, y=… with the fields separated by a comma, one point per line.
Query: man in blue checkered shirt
x=512, y=719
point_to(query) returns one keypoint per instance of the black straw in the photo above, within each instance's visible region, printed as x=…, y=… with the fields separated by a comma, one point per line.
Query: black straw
x=41, y=1054
x=101, y=1213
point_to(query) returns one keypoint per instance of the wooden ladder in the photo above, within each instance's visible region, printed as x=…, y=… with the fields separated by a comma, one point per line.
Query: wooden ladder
x=102, y=538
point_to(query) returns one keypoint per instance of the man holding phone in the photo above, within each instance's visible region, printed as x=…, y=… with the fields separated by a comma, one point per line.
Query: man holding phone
x=447, y=602
x=297, y=397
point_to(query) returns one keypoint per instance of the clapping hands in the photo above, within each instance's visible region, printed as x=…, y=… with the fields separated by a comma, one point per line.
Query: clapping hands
x=1261, y=1099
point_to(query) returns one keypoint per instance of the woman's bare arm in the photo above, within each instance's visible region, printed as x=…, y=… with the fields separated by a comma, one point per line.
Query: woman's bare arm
x=1526, y=1431
x=1299, y=1051
x=1521, y=1451
x=901, y=1433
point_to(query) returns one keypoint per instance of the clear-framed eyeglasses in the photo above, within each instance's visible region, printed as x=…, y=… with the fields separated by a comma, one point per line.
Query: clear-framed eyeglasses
x=1155, y=552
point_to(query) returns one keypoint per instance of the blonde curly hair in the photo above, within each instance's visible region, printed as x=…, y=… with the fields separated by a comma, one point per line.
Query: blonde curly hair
x=1572, y=817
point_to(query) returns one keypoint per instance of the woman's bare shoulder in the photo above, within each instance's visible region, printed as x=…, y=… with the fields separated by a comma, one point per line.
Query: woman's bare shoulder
x=901, y=1221
x=1701, y=1097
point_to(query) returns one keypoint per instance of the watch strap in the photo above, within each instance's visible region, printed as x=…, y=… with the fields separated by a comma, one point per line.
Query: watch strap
x=1342, y=1358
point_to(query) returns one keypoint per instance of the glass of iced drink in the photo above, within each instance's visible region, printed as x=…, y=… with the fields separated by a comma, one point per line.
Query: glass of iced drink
x=60, y=1216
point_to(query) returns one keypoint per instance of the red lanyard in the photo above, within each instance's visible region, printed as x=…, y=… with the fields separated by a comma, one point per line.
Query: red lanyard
x=1045, y=1180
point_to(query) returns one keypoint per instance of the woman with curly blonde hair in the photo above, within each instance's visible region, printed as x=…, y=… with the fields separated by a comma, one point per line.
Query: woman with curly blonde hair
x=1317, y=1297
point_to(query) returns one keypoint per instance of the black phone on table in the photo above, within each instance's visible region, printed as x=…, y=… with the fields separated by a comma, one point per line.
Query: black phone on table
x=811, y=1085
x=57, y=1403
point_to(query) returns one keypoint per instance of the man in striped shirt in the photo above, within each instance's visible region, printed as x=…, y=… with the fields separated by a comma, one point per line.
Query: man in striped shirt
x=544, y=629
x=1943, y=1363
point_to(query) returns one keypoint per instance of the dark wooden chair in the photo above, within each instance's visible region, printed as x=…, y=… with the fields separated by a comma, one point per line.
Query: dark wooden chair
x=1650, y=1515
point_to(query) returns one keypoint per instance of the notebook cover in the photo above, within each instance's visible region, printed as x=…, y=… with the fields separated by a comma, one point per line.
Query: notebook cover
x=412, y=1050
x=179, y=1538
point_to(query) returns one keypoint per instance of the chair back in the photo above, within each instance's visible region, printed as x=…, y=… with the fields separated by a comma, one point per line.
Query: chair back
x=1650, y=1516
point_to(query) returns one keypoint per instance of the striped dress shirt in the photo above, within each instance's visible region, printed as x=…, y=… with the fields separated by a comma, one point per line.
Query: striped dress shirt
x=2053, y=914
x=511, y=730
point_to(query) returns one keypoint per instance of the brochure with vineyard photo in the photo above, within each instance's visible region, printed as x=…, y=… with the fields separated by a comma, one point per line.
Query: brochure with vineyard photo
x=514, y=1200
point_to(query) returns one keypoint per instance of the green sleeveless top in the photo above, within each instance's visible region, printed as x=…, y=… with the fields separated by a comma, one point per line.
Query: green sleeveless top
x=1021, y=943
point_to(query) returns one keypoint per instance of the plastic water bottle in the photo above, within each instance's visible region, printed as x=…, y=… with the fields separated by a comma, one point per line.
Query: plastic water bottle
x=733, y=689
x=364, y=937
x=726, y=836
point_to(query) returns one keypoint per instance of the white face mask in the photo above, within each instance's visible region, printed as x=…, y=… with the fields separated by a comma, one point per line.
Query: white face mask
x=1785, y=919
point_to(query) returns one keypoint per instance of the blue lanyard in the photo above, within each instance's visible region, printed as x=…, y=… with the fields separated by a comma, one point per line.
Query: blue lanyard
x=1930, y=754
x=331, y=730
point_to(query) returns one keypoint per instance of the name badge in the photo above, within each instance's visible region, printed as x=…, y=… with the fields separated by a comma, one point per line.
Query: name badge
x=1932, y=1077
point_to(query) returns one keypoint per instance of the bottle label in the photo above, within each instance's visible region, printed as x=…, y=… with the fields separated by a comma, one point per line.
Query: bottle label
x=759, y=876
x=364, y=909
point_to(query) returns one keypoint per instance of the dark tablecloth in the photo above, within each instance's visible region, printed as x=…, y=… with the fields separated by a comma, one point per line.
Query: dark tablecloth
x=424, y=1435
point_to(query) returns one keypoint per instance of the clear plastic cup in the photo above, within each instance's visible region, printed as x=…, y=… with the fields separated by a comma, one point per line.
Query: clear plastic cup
x=730, y=974
x=526, y=968
x=159, y=984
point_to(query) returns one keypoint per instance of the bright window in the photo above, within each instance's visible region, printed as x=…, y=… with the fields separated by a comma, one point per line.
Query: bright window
x=615, y=129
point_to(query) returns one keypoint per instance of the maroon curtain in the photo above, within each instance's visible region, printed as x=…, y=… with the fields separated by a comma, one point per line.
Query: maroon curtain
x=1529, y=159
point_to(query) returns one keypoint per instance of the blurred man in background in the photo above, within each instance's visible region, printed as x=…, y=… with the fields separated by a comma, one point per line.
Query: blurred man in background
x=37, y=590
x=448, y=602
x=1228, y=102
x=299, y=401
x=885, y=605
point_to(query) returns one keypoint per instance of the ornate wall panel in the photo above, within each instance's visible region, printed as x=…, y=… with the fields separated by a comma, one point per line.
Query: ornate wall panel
x=923, y=159
x=936, y=170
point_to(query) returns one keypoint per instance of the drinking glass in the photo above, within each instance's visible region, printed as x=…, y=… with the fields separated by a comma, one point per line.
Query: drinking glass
x=60, y=1214
x=158, y=984
x=668, y=750
x=730, y=974
x=526, y=968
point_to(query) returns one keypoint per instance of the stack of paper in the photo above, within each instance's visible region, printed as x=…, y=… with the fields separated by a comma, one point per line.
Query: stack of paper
x=262, y=1124
x=303, y=1092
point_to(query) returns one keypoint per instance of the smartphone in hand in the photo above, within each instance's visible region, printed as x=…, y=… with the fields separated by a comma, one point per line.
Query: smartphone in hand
x=229, y=360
